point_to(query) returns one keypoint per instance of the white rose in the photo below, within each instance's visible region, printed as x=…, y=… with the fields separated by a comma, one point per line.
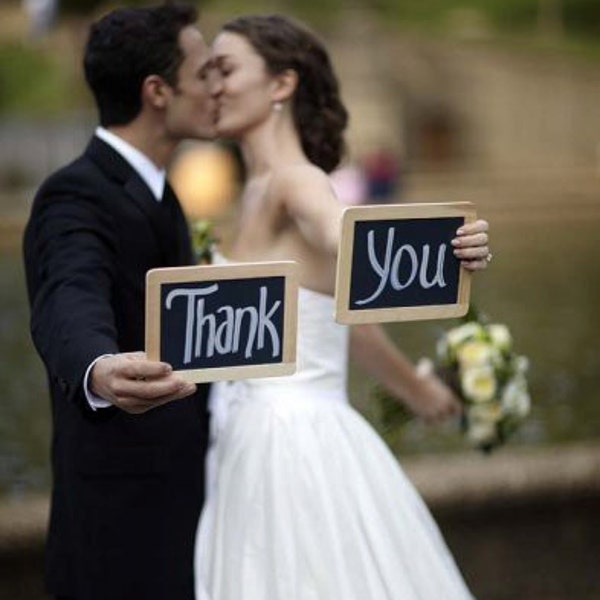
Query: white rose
x=500, y=336
x=489, y=412
x=481, y=432
x=478, y=383
x=476, y=353
x=515, y=398
x=521, y=364
x=455, y=337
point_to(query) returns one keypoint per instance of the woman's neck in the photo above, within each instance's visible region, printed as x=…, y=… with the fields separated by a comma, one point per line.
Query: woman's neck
x=273, y=145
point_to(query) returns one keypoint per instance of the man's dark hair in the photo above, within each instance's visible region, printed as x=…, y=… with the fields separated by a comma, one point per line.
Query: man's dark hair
x=126, y=46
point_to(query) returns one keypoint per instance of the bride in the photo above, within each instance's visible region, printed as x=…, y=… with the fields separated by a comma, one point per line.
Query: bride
x=305, y=502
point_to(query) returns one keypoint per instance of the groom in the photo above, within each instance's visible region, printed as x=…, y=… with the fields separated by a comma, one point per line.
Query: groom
x=127, y=462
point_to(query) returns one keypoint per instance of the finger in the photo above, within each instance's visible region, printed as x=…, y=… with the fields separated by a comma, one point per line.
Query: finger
x=455, y=408
x=465, y=241
x=478, y=226
x=474, y=265
x=139, y=355
x=145, y=369
x=477, y=253
x=139, y=405
x=152, y=390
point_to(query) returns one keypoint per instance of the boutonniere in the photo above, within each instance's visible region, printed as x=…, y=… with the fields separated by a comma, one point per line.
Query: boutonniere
x=203, y=240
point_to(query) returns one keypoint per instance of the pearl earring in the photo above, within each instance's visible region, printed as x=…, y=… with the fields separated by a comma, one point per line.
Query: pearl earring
x=277, y=106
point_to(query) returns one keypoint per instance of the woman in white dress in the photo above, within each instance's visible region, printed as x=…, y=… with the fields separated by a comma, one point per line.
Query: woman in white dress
x=304, y=501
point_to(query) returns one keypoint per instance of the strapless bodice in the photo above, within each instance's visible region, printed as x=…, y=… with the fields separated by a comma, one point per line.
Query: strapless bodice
x=321, y=363
x=321, y=351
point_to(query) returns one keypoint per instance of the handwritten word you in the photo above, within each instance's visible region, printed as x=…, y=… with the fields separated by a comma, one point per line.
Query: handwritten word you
x=220, y=331
x=403, y=263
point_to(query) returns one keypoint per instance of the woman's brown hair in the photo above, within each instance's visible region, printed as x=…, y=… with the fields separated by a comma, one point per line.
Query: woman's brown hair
x=319, y=114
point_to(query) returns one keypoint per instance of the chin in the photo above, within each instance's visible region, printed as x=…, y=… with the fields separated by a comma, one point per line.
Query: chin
x=208, y=134
x=224, y=129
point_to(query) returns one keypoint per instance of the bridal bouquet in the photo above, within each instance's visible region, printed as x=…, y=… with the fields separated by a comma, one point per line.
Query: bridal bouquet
x=478, y=361
x=203, y=240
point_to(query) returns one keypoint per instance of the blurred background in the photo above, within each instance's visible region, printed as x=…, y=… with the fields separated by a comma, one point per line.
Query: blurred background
x=496, y=102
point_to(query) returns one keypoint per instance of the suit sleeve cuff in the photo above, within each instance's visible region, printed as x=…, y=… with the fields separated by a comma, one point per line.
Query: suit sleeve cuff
x=95, y=402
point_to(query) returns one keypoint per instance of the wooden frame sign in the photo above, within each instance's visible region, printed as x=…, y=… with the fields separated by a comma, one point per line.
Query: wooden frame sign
x=395, y=263
x=231, y=321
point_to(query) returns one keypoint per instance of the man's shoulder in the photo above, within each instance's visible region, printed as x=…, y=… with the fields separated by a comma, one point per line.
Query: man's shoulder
x=85, y=178
x=80, y=173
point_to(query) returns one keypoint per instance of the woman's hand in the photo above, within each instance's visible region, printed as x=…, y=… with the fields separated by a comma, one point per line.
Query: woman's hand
x=432, y=400
x=471, y=245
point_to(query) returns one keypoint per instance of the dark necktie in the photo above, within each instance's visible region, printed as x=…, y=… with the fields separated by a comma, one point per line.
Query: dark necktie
x=179, y=250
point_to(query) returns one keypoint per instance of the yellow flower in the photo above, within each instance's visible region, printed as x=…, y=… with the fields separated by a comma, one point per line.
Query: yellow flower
x=475, y=354
x=478, y=383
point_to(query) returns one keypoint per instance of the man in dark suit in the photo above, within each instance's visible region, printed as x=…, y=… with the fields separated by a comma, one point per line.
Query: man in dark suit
x=129, y=436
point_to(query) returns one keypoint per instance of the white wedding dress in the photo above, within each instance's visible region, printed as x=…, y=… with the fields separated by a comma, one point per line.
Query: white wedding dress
x=304, y=500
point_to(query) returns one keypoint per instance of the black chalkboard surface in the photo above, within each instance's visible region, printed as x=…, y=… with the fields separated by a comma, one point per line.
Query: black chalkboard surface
x=228, y=321
x=395, y=263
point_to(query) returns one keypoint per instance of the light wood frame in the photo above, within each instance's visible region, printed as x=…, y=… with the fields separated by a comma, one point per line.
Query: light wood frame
x=352, y=215
x=155, y=278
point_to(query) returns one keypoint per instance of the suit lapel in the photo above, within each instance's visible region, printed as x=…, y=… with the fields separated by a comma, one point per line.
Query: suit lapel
x=182, y=246
x=160, y=218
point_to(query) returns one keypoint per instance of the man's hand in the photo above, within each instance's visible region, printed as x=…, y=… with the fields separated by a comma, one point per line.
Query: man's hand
x=471, y=245
x=136, y=384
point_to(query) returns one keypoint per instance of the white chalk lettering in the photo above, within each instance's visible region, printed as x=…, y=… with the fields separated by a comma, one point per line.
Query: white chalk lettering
x=438, y=279
x=220, y=332
x=403, y=262
x=190, y=294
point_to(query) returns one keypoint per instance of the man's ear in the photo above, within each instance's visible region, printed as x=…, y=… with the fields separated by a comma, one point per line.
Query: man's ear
x=155, y=91
x=286, y=83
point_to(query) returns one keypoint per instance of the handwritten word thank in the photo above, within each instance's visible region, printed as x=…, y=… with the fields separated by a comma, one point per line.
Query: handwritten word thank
x=224, y=330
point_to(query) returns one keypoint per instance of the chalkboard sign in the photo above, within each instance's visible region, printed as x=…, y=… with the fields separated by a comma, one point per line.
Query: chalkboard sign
x=396, y=263
x=231, y=321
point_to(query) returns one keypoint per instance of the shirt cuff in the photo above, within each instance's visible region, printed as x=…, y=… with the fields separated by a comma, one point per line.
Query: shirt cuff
x=96, y=402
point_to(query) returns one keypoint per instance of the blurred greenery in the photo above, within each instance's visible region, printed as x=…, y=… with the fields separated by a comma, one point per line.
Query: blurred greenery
x=86, y=7
x=578, y=16
x=38, y=78
x=32, y=80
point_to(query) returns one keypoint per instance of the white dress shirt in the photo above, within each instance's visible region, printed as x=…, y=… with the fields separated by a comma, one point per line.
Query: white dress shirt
x=155, y=178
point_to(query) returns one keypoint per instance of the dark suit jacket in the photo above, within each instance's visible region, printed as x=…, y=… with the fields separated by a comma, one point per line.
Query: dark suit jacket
x=127, y=489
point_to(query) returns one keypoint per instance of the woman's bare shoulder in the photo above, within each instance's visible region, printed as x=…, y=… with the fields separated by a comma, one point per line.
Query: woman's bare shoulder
x=299, y=179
